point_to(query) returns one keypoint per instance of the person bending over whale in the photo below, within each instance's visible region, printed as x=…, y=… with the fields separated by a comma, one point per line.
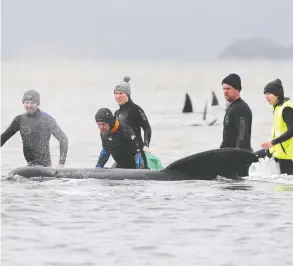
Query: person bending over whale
x=281, y=145
x=118, y=140
x=133, y=115
x=36, y=128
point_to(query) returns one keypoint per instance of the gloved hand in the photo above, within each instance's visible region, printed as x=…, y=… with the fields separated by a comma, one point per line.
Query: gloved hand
x=261, y=153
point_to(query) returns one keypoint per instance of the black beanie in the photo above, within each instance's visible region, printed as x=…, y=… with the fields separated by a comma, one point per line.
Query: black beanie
x=31, y=95
x=105, y=115
x=275, y=87
x=233, y=80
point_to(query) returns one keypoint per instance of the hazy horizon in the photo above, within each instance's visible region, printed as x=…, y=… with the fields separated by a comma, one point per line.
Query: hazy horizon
x=135, y=30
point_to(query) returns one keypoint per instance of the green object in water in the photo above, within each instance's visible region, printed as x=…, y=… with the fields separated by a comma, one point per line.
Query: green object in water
x=280, y=188
x=154, y=163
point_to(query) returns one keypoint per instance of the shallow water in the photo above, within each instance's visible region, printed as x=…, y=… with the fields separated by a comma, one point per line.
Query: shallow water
x=92, y=222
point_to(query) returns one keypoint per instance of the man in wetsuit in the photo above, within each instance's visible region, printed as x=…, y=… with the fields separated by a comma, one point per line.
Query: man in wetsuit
x=238, y=117
x=281, y=145
x=36, y=128
x=118, y=140
x=133, y=115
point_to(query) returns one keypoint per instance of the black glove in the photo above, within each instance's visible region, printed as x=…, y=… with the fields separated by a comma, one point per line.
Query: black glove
x=263, y=153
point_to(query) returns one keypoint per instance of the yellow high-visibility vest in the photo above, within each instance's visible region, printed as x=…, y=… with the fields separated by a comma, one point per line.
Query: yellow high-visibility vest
x=282, y=150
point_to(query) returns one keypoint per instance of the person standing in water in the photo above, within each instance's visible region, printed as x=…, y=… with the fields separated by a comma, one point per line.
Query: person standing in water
x=133, y=115
x=238, y=118
x=36, y=128
x=281, y=145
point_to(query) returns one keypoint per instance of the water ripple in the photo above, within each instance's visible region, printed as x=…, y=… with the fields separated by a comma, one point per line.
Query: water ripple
x=147, y=223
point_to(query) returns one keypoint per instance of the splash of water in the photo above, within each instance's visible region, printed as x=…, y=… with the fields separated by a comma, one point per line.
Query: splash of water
x=269, y=171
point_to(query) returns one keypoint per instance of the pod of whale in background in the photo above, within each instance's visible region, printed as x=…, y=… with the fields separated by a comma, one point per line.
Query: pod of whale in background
x=188, y=108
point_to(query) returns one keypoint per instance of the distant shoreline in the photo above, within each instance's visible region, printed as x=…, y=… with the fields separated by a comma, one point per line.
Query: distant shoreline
x=257, y=49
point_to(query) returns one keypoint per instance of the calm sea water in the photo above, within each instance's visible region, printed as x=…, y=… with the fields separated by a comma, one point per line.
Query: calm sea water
x=92, y=222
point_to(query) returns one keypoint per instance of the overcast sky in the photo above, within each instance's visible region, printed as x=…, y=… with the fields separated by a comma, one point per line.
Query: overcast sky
x=138, y=29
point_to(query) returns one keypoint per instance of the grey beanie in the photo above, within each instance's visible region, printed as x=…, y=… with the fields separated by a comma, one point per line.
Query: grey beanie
x=124, y=86
x=31, y=95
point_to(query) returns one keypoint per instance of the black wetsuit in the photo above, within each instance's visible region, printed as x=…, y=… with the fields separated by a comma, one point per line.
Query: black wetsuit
x=35, y=130
x=123, y=146
x=134, y=116
x=286, y=166
x=237, y=127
